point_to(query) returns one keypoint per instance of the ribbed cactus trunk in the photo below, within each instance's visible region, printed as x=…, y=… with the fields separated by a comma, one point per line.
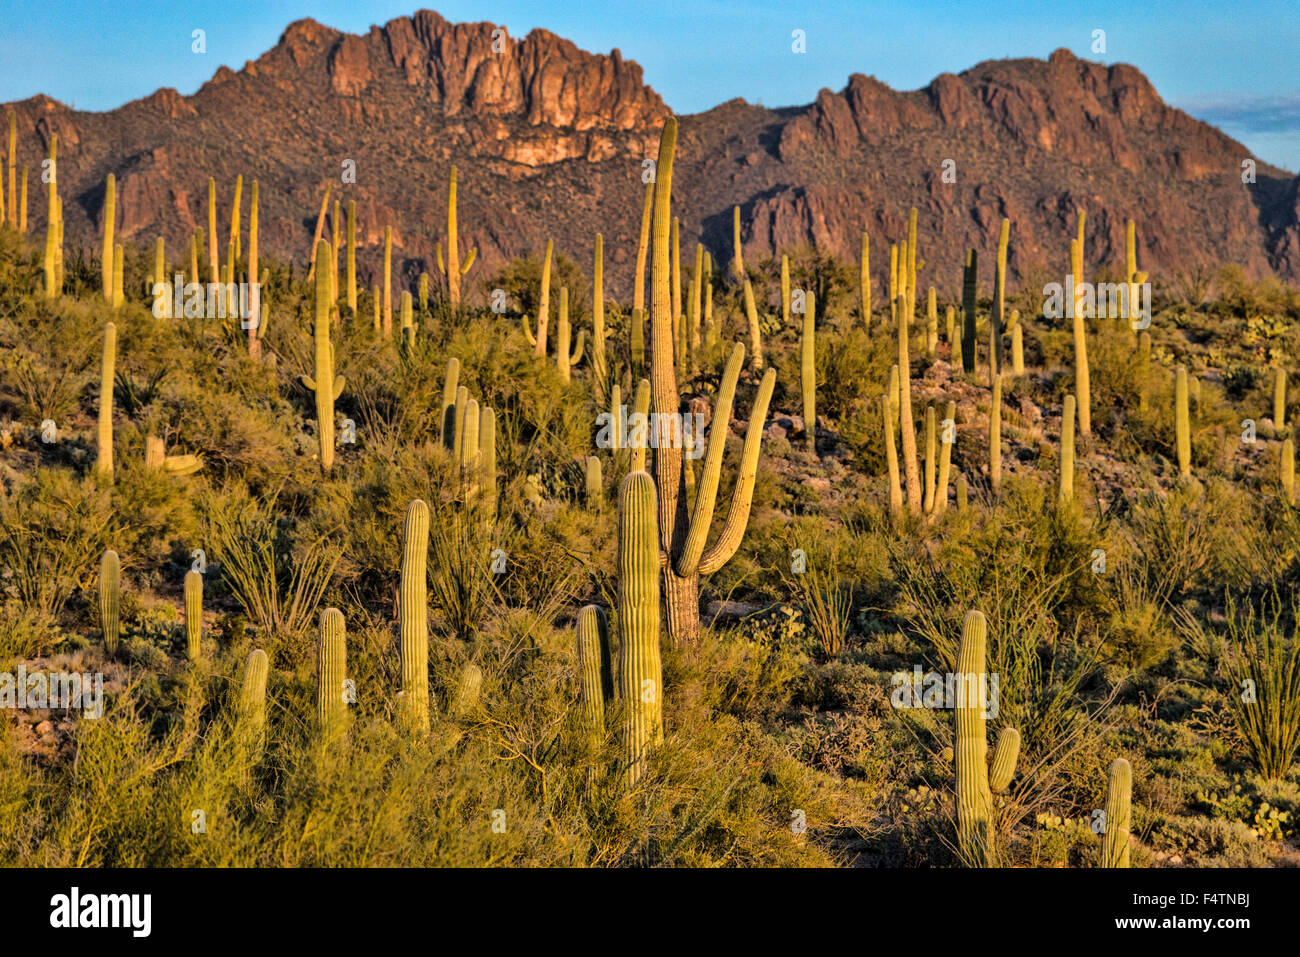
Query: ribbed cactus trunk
x=110, y=216
x=595, y=485
x=599, y=366
x=974, y=798
x=642, y=249
x=864, y=282
x=193, y=614
x=638, y=440
x=110, y=600
x=1119, y=792
x=254, y=278
x=250, y=710
x=467, y=693
x=1017, y=345
x=453, y=244
x=104, y=434
x=487, y=448
x=906, y=424
x=388, y=281
x=1067, y=451
x=326, y=385
x=931, y=465
x=738, y=261
x=1182, y=423
x=351, y=255
x=1279, y=399
x=544, y=302
x=1082, y=388
x=947, y=439
x=998, y=319
x=119, y=292
x=1287, y=470
x=331, y=673
x=413, y=619
x=214, y=256
x=995, y=436
x=968, y=279
x=891, y=456
x=450, y=385
x=755, y=332
x=595, y=670
x=785, y=291
x=808, y=369
x=931, y=324
x=52, y=286
x=963, y=494
x=562, y=335
x=640, y=675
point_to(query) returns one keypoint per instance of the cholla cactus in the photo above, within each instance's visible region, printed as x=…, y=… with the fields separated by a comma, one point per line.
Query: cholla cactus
x=110, y=600
x=1119, y=790
x=327, y=386
x=193, y=614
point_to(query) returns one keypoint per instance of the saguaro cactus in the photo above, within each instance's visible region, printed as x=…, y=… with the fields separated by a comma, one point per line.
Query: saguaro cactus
x=642, y=249
x=906, y=423
x=968, y=278
x=808, y=370
x=738, y=261
x=891, y=455
x=1081, y=385
x=193, y=614
x=351, y=254
x=595, y=670
x=974, y=789
x=599, y=366
x=1286, y=465
x=110, y=600
x=998, y=318
x=214, y=257
x=640, y=674
x=250, y=710
x=110, y=216
x=947, y=439
x=1119, y=792
x=931, y=466
x=1017, y=344
x=254, y=279
x=1182, y=423
x=331, y=671
x=995, y=436
x=104, y=434
x=683, y=541
x=864, y=282
x=453, y=268
x=1279, y=399
x=326, y=384
x=1067, y=451
x=413, y=619
x=468, y=687
x=388, y=279
x=52, y=287
x=755, y=333
x=487, y=450
x=595, y=484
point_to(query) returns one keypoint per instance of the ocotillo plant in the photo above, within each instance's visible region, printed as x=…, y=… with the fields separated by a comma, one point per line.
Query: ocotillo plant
x=683, y=539
x=968, y=279
x=808, y=369
x=193, y=613
x=413, y=619
x=453, y=269
x=891, y=456
x=595, y=674
x=975, y=790
x=331, y=671
x=250, y=710
x=640, y=675
x=1182, y=423
x=104, y=434
x=326, y=385
x=1119, y=791
x=110, y=600
x=1067, y=451
x=110, y=215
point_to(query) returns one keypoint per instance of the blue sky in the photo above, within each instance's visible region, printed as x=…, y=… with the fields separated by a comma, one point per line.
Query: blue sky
x=1232, y=64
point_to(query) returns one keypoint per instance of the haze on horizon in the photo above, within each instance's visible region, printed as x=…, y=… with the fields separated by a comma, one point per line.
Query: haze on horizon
x=1231, y=66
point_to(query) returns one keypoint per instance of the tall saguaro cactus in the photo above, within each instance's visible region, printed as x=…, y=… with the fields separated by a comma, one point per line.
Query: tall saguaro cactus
x=1182, y=423
x=351, y=254
x=864, y=282
x=104, y=435
x=193, y=614
x=413, y=616
x=975, y=790
x=595, y=670
x=331, y=672
x=110, y=216
x=1082, y=389
x=808, y=371
x=906, y=423
x=640, y=675
x=326, y=384
x=453, y=269
x=968, y=279
x=544, y=303
x=682, y=537
x=251, y=707
x=738, y=261
x=1067, y=451
x=52, y=285
x=642, y=249
x=110, y=600
x=1119, y=792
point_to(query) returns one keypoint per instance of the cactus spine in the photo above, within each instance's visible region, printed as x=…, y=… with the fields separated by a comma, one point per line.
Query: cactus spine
x=193, y=613
x=1182, y=423
x=808, y=370
x=1119, y=792
x=413, y=619
x=1067, y=451
x=639, y=672
x=595, y=674
x=110, y=217
x=331, y=671
x=104, y=435
x=326, y=384
x=974, y=789
x=110, y=600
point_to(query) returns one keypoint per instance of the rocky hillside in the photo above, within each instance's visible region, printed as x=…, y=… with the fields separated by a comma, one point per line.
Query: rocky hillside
x=550, y=139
